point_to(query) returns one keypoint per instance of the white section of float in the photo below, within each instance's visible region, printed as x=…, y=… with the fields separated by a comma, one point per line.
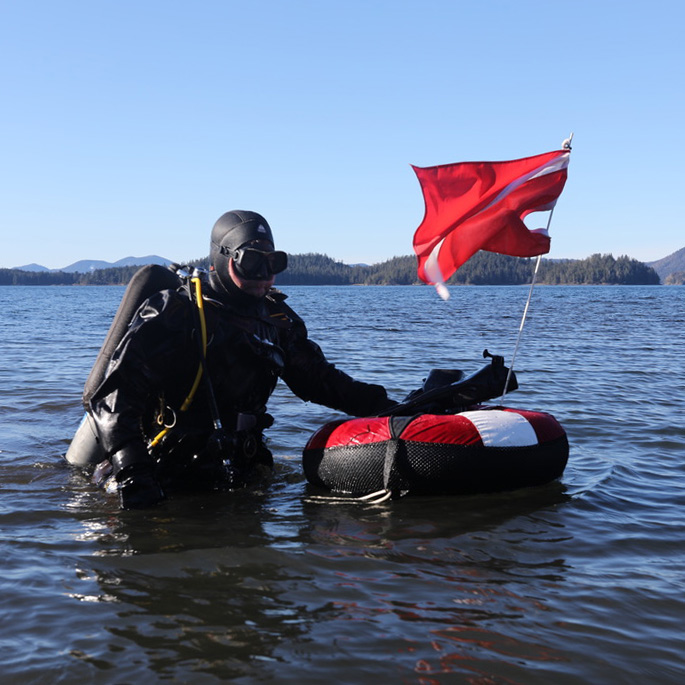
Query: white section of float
x=502, y=428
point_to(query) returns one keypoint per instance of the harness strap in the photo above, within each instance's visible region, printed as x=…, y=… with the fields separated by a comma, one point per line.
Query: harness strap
x=198, y=376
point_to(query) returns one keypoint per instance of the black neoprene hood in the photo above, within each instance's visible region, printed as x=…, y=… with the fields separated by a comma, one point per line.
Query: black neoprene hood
x=233, y=229
x=238, y=227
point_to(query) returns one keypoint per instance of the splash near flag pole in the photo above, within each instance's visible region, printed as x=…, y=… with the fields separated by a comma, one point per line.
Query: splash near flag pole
x=473, y=206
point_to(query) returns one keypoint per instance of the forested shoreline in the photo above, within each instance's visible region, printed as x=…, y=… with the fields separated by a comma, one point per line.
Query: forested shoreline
x=484, y=268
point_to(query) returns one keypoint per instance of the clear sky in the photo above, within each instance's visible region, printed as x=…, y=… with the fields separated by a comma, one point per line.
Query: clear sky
x=128, y=127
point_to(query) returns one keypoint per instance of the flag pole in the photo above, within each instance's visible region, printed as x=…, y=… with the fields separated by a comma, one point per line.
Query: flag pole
x=566, y=145
x=525, y=313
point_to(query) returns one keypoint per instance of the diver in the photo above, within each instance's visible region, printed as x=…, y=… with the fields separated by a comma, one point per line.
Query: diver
x=183, y=403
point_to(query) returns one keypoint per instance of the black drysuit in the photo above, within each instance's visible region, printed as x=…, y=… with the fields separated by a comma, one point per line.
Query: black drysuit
x=250, y=345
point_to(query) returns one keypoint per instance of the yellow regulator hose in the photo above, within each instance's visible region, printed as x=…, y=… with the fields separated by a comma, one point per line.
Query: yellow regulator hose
x=198, y=376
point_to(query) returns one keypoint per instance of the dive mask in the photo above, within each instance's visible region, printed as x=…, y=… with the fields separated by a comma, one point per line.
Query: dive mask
x=255, y=265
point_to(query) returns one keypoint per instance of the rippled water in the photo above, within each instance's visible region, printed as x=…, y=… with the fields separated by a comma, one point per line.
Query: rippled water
x=580, y=581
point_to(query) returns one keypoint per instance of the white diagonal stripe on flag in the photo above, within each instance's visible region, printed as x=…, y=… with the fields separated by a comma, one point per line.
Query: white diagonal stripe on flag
x=561, y=162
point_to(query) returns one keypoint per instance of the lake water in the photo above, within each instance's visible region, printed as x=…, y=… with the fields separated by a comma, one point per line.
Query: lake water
x=581, y=581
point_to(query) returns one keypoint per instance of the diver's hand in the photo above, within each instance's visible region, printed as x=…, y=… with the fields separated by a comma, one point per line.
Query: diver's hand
x=138, y=488
x=135, y=476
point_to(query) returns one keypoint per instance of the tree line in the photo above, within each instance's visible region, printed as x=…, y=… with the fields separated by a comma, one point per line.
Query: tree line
x=119, y=275
x=484, y=268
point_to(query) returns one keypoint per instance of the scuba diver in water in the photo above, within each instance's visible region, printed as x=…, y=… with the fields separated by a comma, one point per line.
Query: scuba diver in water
x=183, y=401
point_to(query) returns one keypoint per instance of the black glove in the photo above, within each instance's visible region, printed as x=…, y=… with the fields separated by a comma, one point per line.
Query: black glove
x=134, y=472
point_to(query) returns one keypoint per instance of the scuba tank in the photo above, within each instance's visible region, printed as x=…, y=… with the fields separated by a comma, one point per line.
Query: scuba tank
x=85, y=448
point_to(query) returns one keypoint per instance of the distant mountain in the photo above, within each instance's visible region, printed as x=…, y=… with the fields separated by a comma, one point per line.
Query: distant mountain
x=669, y=265
x=85, y=265
x=139, y=261
x=32, y=267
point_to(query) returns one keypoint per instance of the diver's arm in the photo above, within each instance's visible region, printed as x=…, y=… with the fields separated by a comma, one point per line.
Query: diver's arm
x=313, y=378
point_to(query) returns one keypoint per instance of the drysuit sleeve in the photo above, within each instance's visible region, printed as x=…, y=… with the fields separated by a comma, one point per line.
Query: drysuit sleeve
x=314, y=379
x=156, y=344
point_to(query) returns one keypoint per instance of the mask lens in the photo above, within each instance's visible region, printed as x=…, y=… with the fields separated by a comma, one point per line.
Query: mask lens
x=255, y=264
x=251, y=262
x=278, y=261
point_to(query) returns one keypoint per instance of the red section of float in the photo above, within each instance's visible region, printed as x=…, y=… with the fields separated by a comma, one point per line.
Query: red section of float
x=362, y=431
x=450, y=429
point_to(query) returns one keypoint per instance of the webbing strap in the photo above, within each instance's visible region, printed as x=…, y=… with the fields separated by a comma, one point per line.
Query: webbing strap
x=198, y=376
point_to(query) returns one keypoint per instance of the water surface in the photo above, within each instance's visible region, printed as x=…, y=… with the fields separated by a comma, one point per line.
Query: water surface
x=580, y=581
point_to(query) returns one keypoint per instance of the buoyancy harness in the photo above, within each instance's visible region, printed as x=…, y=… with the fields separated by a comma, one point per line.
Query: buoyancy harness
x=227, y=456
x=193, y=285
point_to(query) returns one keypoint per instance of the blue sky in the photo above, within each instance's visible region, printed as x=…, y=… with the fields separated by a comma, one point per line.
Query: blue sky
x=129, y=127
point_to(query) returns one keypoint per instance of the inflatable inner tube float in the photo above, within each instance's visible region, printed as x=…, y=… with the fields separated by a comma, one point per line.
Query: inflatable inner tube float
x=485, y=449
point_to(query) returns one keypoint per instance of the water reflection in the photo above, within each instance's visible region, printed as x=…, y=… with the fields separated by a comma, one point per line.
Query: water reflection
x=442, y=576
x=183, y=617
x=194, y=588
x=433, y=584
x=248, y=586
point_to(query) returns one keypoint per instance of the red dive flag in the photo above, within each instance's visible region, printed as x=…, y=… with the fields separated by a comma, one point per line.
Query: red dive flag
x=475, y=206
